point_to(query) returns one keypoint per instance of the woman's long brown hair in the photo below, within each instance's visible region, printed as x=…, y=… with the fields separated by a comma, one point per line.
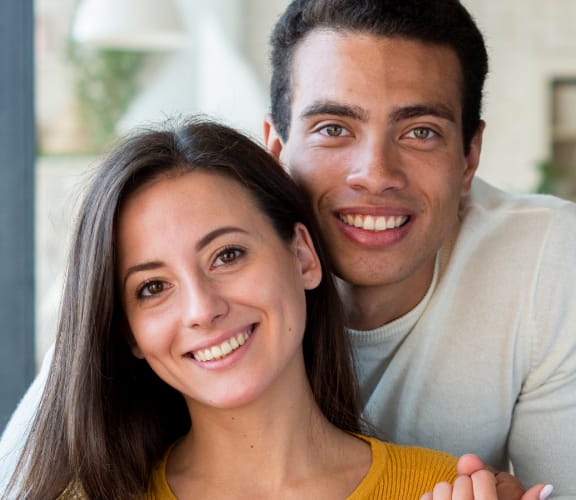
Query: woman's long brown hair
x=105, y=417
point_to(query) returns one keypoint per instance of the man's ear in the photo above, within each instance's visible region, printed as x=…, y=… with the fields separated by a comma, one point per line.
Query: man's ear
x=305, y=252
x=473, y=158
x=271, y=138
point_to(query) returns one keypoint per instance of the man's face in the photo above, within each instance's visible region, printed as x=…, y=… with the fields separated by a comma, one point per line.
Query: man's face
x=376, y=140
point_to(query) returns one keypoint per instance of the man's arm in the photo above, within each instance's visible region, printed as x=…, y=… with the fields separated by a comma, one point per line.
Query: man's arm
x=542, y=440
x=17, y=429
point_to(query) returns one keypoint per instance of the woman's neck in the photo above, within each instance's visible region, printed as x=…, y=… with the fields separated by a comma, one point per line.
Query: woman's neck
x=275, y=444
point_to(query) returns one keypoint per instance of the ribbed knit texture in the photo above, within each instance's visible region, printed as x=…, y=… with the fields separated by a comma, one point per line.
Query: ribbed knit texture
x=403, y=472
x=397, y=472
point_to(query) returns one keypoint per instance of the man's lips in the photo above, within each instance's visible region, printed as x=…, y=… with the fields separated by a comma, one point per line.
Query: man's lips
x=376, y=223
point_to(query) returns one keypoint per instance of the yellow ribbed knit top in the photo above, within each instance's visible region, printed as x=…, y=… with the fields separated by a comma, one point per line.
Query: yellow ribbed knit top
x=397, y=472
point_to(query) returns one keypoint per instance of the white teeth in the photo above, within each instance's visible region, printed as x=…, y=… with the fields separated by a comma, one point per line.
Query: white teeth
x=369, y=223
x=216, y=352
x=226, y=348
x=373, y=223
x=380, y=224
x=222, y=350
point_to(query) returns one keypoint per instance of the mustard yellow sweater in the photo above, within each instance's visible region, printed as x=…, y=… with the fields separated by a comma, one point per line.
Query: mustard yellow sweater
x=397, y=472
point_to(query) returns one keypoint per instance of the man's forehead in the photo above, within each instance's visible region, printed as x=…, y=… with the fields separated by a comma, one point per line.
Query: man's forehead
x=330, y=68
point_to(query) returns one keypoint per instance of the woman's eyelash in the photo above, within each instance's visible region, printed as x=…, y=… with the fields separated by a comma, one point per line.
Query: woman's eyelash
x=141, y=290
x=228, y=255
x=152, y=287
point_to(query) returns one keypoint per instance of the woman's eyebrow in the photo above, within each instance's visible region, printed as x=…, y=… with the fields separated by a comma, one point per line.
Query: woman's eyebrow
x=144, y=266
x=205, y=240
x=212, y=235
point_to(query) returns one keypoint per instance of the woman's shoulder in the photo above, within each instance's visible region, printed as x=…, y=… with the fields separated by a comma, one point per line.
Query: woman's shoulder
x=403, y=471
x=159, y=488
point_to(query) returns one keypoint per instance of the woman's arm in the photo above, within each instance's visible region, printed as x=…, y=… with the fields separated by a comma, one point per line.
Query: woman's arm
x=18, y=427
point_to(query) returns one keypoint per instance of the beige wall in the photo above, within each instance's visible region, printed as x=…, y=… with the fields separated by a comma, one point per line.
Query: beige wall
x=529, y=41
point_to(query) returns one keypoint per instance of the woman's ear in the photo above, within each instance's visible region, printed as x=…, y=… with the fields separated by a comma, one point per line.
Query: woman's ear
x=305, y=252
x=136, y=352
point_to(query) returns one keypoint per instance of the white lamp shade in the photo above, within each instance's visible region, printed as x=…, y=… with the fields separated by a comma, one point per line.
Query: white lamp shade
x=129, y=24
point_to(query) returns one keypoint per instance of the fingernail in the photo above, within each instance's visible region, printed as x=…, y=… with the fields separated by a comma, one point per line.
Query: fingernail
x=546, y=492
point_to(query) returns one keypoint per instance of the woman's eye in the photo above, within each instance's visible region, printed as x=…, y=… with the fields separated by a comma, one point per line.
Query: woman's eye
x=228, y=256
x=151, y=288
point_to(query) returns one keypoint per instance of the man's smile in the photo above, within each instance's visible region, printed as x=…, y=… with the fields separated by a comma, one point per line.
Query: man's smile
x=373, y=222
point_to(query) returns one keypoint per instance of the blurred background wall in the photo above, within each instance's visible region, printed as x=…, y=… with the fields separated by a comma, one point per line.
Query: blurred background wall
x=213, y=58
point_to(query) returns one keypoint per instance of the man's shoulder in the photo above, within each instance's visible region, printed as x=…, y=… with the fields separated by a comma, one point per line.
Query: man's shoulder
x=530, y=215
x=485, y=196
x=497, y=227
x=508, y=237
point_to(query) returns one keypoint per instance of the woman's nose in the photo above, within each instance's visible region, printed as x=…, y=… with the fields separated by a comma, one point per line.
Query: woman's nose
x=203, y=304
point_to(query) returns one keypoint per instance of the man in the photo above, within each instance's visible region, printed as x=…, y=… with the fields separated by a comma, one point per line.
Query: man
x=460, y=297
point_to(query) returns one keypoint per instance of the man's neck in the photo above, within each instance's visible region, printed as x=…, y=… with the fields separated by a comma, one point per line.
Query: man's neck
x=370, y=307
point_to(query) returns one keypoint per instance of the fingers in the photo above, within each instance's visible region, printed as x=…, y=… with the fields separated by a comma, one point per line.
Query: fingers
x=484, y=485
x=477, y=487
x=463, y=488
x=468, y=464
x=441, y=491
x=508, y=487
x=480, y=485
x=538, y=492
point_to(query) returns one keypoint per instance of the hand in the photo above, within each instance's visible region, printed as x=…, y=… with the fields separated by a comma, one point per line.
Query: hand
x=479, y=485
x=481, y=482
x=508, y=487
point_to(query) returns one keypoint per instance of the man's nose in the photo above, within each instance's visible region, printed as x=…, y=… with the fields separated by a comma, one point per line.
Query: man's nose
x=376, y=168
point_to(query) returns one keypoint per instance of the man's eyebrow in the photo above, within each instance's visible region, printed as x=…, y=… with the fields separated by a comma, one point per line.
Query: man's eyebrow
x=211, y=236
x=335, y=109
x=407, y=112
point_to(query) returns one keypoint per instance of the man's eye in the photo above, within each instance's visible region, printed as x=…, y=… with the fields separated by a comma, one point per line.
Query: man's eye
x=333, y=130
x=151, y=288
x=422, y=133
x=228, y=256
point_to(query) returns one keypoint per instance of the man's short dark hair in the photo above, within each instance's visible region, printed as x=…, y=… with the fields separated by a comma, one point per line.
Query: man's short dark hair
x=440, y=22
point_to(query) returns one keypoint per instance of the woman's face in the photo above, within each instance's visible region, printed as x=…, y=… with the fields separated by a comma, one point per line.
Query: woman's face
x=214, y=298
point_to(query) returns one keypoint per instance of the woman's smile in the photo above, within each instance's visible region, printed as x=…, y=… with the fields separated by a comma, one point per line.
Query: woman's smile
x=223, y=349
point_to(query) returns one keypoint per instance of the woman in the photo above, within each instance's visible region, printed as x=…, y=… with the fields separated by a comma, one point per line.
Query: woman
x=201, y=351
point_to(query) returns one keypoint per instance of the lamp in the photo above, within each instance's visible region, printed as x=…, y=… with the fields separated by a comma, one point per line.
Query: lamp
x=129, y=24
